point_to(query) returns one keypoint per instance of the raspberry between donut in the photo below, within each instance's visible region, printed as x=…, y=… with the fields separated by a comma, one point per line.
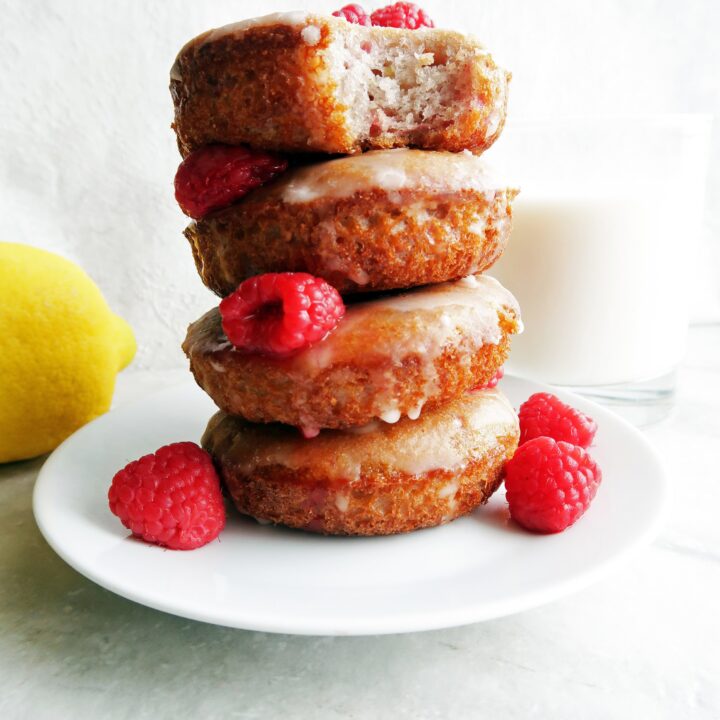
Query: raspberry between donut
x=384, y=220
x=216, y=176
x=388, y=357
x=280, y=313
x=377, y=479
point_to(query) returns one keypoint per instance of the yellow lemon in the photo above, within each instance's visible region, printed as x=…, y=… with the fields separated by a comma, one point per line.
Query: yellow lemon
x=60, y=350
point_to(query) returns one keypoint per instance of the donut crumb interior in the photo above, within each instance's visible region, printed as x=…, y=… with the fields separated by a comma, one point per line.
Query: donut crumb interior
x=395, y=84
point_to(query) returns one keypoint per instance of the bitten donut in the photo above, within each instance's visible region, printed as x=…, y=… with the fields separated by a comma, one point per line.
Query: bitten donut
x=383, y=220
x=373, y=480
x=300, y=82
x=387, y=357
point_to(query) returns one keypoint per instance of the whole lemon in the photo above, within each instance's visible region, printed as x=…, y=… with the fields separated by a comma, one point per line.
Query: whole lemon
x=60, y=350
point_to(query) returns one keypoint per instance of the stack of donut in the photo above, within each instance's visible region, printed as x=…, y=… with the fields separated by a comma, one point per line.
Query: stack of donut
x=356, y=151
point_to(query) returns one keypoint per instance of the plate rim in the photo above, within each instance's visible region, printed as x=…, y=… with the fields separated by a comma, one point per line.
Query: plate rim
x=418, y=621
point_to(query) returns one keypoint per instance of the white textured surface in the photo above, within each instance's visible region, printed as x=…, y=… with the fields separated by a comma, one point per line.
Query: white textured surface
x=641, y=644
x=87, y=156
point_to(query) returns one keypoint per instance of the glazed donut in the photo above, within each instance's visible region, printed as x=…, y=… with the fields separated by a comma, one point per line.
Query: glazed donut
x=383, y=220
x=387, y=357
x=300, y=82
x=373, y=480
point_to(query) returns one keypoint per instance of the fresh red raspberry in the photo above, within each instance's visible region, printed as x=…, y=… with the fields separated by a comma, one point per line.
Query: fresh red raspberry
x=492, y=382
x=550, y=484
x=215, y=176
x=546, y=414
x=280, y=313
x=353, y=14
x=402, y=15
x=171, y=497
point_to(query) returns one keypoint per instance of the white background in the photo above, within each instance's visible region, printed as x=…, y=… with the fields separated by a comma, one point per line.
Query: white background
x=87, y=156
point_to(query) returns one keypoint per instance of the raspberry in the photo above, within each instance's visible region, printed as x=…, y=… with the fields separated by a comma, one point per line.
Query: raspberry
x=215, y=176
x=353, y=14
x=492, y=382
x=546, y=414
x=402, y=15
x=550, y=484
x=171, y=497
x=280, y=313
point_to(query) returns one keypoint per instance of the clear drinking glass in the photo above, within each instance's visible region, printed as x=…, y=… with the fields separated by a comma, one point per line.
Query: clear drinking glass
x=600, y=257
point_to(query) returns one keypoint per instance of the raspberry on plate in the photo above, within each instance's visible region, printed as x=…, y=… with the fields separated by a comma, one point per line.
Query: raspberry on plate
x=216, y=176
x=550, y=484
x=353, y=13
x=278, y=314
x=402, y=15
x=545, y=414
x=171, y=497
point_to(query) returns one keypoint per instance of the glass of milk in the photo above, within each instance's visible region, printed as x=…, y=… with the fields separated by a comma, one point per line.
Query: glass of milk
x=602, y=250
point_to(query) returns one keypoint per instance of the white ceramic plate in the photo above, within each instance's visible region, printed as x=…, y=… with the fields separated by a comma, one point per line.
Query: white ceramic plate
x=278, y=580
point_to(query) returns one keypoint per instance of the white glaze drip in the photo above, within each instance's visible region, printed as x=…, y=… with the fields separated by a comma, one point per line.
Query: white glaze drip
x=437, y=441
x=289, y=19
x=414, y=413
x=382, y=335
x=470, y=291
x=310, y=35
x=292, y=19
x=390, y=416
x=390, y=170
x=463, y=314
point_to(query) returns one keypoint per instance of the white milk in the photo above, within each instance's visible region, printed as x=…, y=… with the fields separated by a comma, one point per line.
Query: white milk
x=600, y=253
x=603, y=287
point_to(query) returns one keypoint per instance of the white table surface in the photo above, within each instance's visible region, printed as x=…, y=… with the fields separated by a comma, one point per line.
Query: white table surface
x=644, y=643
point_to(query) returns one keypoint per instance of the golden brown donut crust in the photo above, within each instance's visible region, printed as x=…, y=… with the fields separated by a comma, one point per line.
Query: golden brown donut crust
x=363, y=243
x=265, y=86
x=381, y=501
x=252, y=88
x=381, y=361
x=377, y=506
